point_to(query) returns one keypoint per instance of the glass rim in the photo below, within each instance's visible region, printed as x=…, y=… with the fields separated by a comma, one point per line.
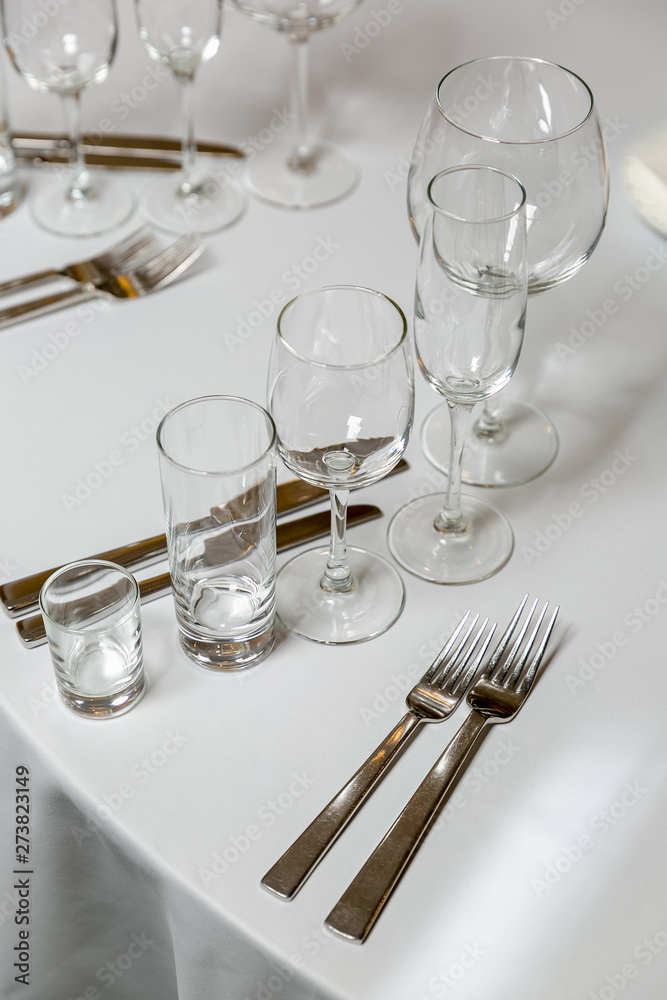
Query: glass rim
x=323, y=364
x=221, y=472
x=516, y=142
x=477, y=166
x=105, y=564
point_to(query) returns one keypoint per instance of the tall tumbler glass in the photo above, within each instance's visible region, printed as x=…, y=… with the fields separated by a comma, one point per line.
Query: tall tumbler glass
x=218, y=468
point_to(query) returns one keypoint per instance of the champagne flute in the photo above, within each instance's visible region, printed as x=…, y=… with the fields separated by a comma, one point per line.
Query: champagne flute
x=181, y=34
x=341, y=393
x=470, y=309
x=538, y=121
x=309, y=171
x=67, y=51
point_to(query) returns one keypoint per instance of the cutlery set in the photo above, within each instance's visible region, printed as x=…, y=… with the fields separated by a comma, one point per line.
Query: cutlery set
x=494, y=694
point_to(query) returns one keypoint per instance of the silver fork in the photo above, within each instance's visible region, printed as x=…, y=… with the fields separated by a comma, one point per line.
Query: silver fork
x=153, y=274
x=495, y=698
x=117, y=258
x=432, y=699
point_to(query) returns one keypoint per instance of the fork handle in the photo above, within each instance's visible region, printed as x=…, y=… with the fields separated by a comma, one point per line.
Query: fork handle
x=291, y=871
x=360, y=905
x=47, y=304
x=27, y=280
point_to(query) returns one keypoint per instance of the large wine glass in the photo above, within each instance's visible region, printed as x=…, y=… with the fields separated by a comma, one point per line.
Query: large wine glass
x=181, y=34
x=341, y=393
x=538, y=121
x=306, y=171
x=470, y=308
x=66, y=51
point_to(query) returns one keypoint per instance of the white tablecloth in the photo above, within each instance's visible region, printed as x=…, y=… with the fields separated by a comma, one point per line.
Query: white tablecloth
x=545, y=875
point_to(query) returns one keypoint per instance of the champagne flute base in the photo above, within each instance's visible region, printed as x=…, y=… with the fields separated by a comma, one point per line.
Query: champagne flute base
x=213, y=207
x=450, y=557
x=305, y=609
x=108, y=204
x=330, y=177
x=525, y=449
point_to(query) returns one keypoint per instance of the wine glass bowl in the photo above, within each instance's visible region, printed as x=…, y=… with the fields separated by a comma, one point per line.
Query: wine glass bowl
x=182, y=35
x=341, y=393
x=538, y=121
x=470, y=308
x=71, y=51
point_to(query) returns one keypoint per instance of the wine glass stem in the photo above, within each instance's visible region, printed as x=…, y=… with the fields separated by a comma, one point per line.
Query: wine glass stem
x=186, y=82
x=489, y=423
x=450, y=517
x=337, y=576
x=302, y=154
x=78, y=184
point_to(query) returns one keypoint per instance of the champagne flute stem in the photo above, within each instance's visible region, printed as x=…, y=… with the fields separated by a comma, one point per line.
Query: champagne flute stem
x=337, y=576
x=78, y=185
x=302, y=155
x=186, y=82
x=489, y=424
x=450, y=517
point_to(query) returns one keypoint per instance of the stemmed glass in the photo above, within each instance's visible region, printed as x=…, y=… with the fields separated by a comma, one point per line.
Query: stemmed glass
x=341, y=393
x=308, y=171
x=68, y=50
x=470, y=308
x=181, y=34
x=538, y=121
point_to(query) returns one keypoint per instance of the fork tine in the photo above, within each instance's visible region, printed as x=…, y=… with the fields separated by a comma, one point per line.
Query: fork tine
x=523, y=659
x=458, y=683
x=502, y=645
x=501, y=675
x=126, y=249
x=527, y=681
x=429, y=674
x=171, y=262
x=445, y=668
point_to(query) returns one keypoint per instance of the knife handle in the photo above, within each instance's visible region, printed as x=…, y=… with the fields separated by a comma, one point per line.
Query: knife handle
x=47, y=304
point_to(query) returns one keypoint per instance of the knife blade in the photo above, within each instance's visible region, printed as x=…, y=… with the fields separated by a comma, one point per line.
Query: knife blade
x=21, y=597
x=111, y=150
x=304, y=529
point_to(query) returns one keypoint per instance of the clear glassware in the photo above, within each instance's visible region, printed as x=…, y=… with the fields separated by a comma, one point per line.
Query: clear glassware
x=470, y=308
x=9, y=186
x=538, y=121
x=65, y=52
x=307, y=171
x=341, y=393
x=181, y=34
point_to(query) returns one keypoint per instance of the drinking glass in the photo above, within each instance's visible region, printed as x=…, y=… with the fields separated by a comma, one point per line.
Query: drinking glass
x=93, y=624
x=181, y=34
x=538, y=121
x=66, y=50
x=470, y=308
x=308, y=171
x=341, y=392
x=218, y=471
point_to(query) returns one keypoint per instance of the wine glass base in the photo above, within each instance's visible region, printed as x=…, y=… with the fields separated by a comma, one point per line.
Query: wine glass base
x=108, y=205
x=215, y=207
x=526, y=449
x=332, y=176
x=371, y=608
x=448, y=557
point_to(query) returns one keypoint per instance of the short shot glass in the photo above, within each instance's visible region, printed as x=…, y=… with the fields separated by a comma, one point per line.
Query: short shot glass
x=92, y=621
